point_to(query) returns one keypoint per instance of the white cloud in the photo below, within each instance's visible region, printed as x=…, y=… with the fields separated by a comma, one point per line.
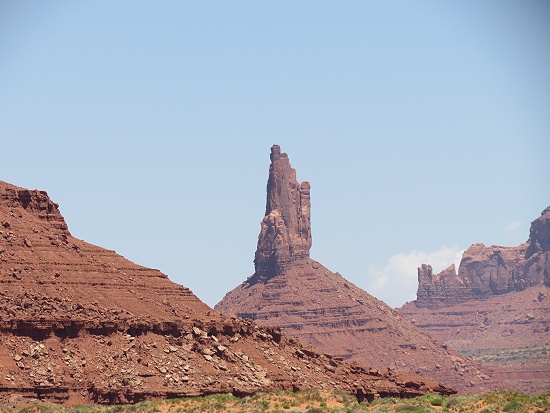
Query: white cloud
x=396, y=282
x=512, y=227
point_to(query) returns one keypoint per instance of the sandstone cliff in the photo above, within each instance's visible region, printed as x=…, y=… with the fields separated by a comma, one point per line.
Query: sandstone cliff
x=322, y=308
x=79, y=323
x=486, y=271
x=496, y=308
x=285, y=236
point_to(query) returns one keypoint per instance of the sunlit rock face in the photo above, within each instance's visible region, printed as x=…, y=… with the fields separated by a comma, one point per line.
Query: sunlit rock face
x=485, y=271
x=497, y=305
x=81, y=324
x=322, y=308
x=285, y=235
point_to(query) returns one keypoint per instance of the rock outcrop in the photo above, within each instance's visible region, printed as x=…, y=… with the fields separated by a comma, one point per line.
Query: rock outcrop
x=496, y=308
x=322, y=308
x=485, y=271
x=285, y=236
x=79, y=323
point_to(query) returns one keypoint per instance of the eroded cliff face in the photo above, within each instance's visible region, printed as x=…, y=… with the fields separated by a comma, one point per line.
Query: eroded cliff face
x=495, y=309
x=37, y=203
x=322, y=308
x=79, y=324
x=485, y=271
x=539, y=236
x=285, y=235
x=508, y=331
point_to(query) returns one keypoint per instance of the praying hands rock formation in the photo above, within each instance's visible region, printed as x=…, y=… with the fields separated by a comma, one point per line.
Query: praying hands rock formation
x=285, y=235
x=321, y=308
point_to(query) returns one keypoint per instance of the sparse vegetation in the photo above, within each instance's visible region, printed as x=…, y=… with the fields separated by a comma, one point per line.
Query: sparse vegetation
x=506, y=356
x=318, y=401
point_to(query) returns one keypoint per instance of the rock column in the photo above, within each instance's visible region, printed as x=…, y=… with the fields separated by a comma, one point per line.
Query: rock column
x=285, y=235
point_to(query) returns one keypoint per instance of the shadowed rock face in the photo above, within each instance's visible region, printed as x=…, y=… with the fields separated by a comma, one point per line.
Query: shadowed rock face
x=539, y=236
x=79, y=323
x=321, y=308
x=285, y=235
x=485, y=271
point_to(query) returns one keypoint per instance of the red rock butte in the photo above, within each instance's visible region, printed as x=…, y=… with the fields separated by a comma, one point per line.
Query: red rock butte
x=496, y=307
x=490, y=271
x=322, y=308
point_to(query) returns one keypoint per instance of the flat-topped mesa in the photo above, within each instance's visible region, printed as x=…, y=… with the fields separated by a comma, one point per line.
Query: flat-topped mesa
x=486, y=271
x=285, y=235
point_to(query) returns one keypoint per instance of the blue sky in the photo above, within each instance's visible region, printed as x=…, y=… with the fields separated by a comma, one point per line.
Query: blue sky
x=422, y=126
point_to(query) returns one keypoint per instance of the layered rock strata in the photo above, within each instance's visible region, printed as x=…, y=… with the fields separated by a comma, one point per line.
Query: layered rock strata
x=486, y=271
x=509, y=331
x=285, y=235
x=322, y=308
x=496, y=308
x=79, y=323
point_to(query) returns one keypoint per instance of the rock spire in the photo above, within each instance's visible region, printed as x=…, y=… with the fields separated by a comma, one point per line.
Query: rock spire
x=285, y=234
x=322, y=308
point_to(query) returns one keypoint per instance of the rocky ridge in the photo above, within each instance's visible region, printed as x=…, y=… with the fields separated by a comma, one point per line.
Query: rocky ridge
x=322, y=308
x=496, y=308
x=79, y=323
x=486, y=271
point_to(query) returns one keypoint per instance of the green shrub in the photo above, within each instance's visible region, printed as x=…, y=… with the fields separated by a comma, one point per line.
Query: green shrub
x=432, y=399
x=115, y=409
x=513, y=406
x=436, y=399
x=407, y=408
x=219, y=406
x=456, y=401
x=384, y=400
x=315, y=410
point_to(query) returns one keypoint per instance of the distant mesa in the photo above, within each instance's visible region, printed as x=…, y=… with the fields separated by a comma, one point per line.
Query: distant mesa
x=496, y=308
x=487, y=271
x=321, y=308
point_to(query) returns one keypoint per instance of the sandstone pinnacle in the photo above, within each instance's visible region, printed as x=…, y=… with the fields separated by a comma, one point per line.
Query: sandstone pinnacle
x=322, y=308
x=285, y=234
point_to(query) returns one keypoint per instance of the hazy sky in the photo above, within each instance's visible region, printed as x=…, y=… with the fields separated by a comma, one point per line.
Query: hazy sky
x=423, y=127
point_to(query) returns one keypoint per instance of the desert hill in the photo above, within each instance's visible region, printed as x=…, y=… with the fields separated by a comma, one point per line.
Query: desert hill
x=496, y=308
x=79, y=323
x=322, y=308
